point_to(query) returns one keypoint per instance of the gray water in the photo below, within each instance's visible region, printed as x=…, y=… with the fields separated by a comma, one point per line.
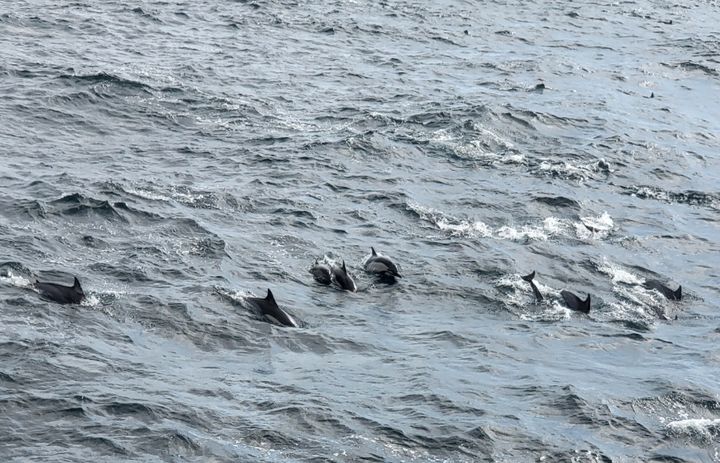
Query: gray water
x=181, y=156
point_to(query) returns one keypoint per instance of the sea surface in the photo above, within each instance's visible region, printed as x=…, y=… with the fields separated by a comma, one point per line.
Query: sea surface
x=180, y=156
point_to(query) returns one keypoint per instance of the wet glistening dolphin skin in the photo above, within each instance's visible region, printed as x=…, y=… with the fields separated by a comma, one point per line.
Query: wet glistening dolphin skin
x=272, y=312
x=536, y=291
x=667, y=292
x=343, y=279
x=381, y=266
x=61, y=294
x=575, y=303
x=321, y=273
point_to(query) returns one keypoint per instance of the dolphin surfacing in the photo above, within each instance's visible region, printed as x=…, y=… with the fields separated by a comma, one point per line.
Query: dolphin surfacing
x=321, y=273
x=343, y=279
x=667, y=292
x=536, y=291
x=382, y=266
x=61, y=294
x=272, y=312
x=575, y=303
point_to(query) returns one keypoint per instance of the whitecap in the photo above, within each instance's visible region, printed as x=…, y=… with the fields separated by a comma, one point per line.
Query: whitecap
x=619, y=274
x=700, y=426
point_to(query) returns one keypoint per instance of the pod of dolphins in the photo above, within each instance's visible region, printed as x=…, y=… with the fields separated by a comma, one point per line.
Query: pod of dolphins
x=377, y=265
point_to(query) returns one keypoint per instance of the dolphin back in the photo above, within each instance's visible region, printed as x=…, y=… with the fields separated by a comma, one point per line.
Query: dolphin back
x=59, y=293
x=343, y=279
x=272, y=312
x=667, y=292
x=575, y=303
x=382, y=264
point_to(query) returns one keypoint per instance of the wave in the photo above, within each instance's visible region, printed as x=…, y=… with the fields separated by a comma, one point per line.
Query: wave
x=705, y=428
x=690, y=197
x=78, y=205
x=8, y=277
x=588, y=228
x=187, y=196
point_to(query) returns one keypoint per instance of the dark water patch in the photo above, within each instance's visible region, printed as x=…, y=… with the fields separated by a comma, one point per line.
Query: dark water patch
x=573, y=407
x=94, y=242
x=75, y=99
x=136, y=410
x=102, y=445
x=444, y=40
x=433, y=337
x=213, y=393
x=6, y=378
x=522, y=120
x=558, y=201
x=311, y=419
x=40, y=188
x=266, y=436
x=22, y=209
x=442, y=404
x=144, y=14
x=136, y=213
x=77, y=205
x=299, y=213
x=105, y=78
x=432, y=119
x=186, y=227
x=127, y=272
x=663, y=458
x=632, y=336
x=693, y=66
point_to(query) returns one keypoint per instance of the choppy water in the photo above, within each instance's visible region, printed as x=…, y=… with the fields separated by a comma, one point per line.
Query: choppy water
x=180, y=156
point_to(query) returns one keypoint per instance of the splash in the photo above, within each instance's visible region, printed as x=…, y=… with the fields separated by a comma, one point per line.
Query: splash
x=18, y=281
x=597, y=227
x=704, y=427
x=550, y=226
x=618, y=274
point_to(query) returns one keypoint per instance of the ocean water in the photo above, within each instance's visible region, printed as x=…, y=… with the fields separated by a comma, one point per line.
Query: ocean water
x=181, y=156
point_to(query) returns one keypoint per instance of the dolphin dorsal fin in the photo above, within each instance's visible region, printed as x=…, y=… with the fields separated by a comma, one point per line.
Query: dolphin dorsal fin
x=678, y=293
x=586, y=304
x=373, y=251
x=270, y=296
x=76, y=284
x=344, y=269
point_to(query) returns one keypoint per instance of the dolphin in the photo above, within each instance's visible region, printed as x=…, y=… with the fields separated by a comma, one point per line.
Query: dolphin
x=667, y=292
x=575, y=302
x=61, y=294
x=343, y=279
x=382, y=266
x=274, y=314
x=321, y=273
x=536, y=291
